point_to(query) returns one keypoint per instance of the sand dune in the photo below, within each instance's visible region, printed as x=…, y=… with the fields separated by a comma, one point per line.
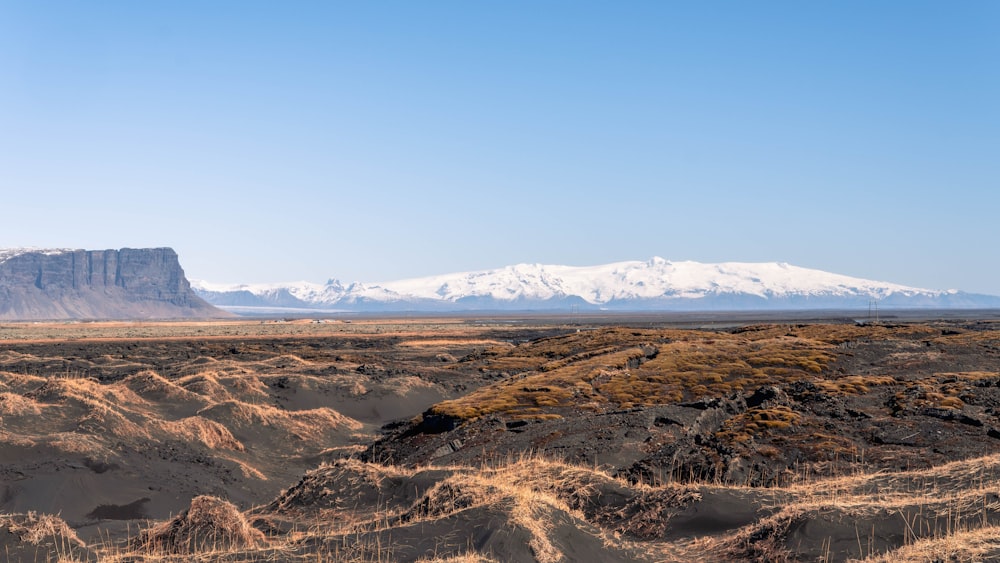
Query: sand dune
x=770, y=443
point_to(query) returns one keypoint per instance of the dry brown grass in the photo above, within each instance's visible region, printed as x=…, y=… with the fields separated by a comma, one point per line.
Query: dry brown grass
x=946, y=513
x=34, y=528
x=623, y=368
x=12, y=404
x=465, y=558
x=307, y=425
x=531, y=490
x=91, y=419
x=595, y=370
x=757, y=421
x=207, y=385
x=528, y=493
x=842, y=333
x=976, y=544
x=77, y=443
x=969, y=376
x=951, y=512
x=286, y=361
x=970, y=338
x=210, y=525
x=154, y=387
x=853, y=384
x=211, y=434
x=452, y=342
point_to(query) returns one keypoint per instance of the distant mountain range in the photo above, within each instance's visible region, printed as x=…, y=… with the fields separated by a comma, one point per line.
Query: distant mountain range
x=653, y=285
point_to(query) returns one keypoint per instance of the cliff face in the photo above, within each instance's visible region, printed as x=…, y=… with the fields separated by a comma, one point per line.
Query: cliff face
x=97, y=284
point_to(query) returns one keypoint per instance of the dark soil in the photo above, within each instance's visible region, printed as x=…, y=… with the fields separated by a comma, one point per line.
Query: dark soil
x=376, y=440
x=941, y=403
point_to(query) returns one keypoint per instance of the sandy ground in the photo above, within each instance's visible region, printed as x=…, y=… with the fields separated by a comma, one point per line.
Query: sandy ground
x=504, y=439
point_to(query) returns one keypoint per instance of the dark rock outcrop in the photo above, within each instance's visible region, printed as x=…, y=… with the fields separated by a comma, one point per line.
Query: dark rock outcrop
x=97, y=284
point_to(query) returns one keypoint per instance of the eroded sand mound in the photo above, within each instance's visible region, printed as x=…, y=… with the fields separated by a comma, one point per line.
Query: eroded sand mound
x=209, y=525
x=648, y=445
x=541, y=510
x=536, y=510
x=109, y=425
x=525, y=510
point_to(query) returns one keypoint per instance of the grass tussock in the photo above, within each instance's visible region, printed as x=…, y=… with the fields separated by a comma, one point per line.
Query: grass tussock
x=210, y=525
x=19, y=382
x=969, y=376
x=206, y=384
x=853, y=384
x=758, y=421
x=36, y=529
x=211, y=434
x=286, y=361
x=154, y=387
x=13, y=404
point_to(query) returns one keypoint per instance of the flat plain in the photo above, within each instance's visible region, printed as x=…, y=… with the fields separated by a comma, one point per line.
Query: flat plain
x=644, y=438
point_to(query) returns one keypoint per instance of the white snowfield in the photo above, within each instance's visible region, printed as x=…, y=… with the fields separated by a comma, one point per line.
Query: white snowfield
x=303, y=290
x=8, y=253
x=621, y=281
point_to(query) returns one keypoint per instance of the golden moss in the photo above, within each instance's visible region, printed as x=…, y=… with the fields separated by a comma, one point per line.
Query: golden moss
x=853, y=384
x=617, y=368
x=756, y=422
x=623, y=368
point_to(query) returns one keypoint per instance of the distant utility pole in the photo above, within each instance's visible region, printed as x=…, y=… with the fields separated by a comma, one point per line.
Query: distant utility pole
x=873, y=306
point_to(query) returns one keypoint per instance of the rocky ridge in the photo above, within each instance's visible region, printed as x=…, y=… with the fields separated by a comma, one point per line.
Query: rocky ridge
x=57, y=284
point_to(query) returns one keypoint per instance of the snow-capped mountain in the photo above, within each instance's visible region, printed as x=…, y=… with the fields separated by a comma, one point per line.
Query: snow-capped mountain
x=656, y=284
x=11, y=253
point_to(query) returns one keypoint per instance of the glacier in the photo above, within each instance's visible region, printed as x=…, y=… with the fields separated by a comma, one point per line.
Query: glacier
x=650, y=285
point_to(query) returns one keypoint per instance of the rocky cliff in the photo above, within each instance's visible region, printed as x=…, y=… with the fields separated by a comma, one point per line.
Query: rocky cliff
x=97, y=284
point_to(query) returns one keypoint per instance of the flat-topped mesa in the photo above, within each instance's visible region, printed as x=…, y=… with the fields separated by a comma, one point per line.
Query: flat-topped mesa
x=51, y=284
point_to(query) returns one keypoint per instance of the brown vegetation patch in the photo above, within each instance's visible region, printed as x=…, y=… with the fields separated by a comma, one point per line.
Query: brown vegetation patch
x=210, y=525
x=449, y=342
x=12, y=404
x=36, y=529
x=304, y=426
x=829, y=418
x=853, y=384
x=619, y=368
x=757, y=421
x=152, y=386
x=210, y=433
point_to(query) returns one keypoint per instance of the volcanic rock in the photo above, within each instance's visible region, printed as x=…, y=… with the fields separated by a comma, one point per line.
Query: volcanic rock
x=97, y=284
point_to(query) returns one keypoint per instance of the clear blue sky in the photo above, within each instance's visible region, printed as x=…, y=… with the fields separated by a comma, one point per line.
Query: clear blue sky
x=274, y=141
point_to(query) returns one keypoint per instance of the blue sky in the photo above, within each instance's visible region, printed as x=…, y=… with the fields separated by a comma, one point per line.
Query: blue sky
x=274, y=141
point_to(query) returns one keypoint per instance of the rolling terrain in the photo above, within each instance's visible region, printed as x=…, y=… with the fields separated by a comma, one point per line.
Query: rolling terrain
x=499, y=440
